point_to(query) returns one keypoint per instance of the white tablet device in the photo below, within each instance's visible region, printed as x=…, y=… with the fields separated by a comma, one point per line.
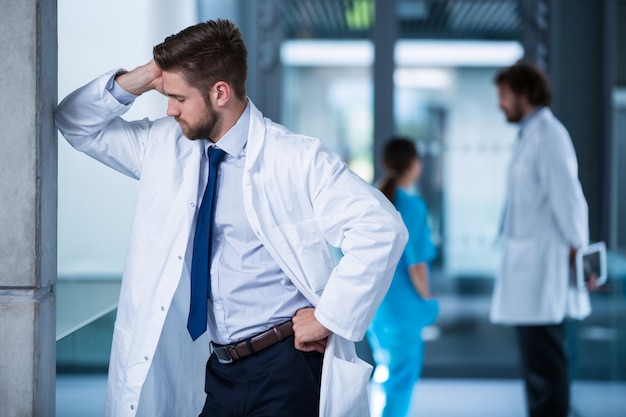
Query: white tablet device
x=591, y=261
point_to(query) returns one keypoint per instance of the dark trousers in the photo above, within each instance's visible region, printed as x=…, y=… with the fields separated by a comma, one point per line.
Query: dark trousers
x=276, y=382
x=545, y=369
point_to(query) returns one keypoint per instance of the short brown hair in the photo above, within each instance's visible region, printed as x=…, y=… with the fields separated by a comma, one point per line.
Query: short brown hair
x=525, y=79
x=206, y=53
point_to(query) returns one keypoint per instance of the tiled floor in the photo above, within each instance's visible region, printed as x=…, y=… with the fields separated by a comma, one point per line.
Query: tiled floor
x=504, y=398
x=80, y=395
x=470, y=365
x=83, y=396
x=462, y=398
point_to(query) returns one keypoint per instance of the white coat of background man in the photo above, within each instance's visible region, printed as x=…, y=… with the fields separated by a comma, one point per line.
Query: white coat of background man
x=277, y=303
x=545, y=221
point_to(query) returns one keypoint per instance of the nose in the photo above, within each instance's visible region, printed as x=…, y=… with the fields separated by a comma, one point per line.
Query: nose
x=172, y=108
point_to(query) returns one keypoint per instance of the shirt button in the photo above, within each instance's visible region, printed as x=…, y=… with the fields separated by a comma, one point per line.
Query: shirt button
x=180, y=257
x=162, y=308
x=145, y=358
x=192, y=204
x=132, y=407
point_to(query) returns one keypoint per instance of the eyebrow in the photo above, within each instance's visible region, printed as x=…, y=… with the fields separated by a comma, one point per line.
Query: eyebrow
x=176, y=96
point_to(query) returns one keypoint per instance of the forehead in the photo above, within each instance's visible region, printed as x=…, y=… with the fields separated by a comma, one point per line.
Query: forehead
x=505, y=89
x=175, y=83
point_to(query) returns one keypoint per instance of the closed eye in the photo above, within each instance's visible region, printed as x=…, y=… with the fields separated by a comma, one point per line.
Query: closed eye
x=180, y=99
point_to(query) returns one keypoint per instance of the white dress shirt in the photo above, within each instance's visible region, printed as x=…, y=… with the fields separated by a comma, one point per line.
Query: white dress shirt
x=249, y=291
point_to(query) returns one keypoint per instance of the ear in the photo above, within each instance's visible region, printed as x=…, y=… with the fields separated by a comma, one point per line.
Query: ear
x=221, y=93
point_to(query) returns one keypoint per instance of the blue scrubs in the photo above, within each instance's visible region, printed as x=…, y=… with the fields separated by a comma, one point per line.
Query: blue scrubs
x=395, y=332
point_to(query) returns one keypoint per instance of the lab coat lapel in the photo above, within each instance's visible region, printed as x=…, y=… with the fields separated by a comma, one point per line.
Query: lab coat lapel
x=344, y=375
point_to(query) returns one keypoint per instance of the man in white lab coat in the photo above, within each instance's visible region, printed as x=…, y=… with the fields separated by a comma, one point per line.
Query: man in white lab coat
x=274, y=304
x=545, y=220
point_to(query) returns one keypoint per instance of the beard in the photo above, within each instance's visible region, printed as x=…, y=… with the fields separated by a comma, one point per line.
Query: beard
x=204, y=129
x=515, y=113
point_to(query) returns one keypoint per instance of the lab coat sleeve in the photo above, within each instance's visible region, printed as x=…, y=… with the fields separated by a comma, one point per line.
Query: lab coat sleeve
x=359, y=220
x=558, y=171
x=90, y=120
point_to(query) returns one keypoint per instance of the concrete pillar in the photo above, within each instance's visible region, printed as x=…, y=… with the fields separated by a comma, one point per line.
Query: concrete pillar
x=567, y=40
x=263, y=32
x=577, y=65
x=384, y=36
x=28, y=166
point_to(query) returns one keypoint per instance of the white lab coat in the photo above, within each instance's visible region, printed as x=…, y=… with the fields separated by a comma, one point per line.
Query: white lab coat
x=545, y=215
x=298, y=197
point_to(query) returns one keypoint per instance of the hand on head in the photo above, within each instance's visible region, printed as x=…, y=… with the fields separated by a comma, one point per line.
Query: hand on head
x=143, y=78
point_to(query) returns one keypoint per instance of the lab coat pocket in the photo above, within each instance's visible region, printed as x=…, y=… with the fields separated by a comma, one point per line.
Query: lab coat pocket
x=520, y=260
x=344, y=386
x=352, y=401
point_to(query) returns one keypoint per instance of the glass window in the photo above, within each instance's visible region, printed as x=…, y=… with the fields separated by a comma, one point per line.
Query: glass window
x=446, y=102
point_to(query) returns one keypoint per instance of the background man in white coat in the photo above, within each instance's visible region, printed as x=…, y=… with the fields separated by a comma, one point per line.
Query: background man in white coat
x=272, y=302
x=545, y=220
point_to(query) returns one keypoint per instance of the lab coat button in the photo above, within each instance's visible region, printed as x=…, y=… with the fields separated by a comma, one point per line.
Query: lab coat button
x=162, y=308
x=145, y=358
x=180, y=257
x=192, y=204
x=132, y=406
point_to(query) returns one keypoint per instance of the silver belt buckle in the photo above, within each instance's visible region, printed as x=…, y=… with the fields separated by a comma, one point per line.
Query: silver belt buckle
x=222, y=354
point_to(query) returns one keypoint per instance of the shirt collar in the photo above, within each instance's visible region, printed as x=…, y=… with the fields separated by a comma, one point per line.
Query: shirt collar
x=236, y=138
x=528, y=117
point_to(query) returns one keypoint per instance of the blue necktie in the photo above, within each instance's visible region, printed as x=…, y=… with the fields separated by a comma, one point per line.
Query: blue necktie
x=200, y=262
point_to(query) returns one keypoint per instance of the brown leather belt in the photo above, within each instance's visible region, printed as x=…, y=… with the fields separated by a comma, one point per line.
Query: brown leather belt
x=240, y=350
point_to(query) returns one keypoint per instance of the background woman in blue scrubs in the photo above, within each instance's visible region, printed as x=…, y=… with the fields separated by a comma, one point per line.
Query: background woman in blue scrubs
x=395, y=332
